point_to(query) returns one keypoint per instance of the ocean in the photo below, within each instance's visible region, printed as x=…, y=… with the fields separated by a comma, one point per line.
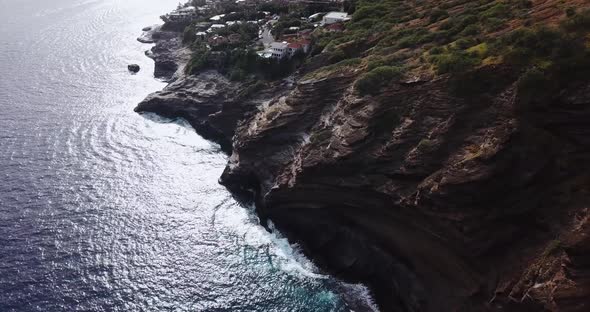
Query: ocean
x=102, y=209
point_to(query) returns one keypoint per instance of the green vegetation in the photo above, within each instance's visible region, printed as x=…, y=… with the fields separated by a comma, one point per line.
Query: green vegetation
x=387, y=39
x=232, y=50
x=239, y=64
x=438, y=15
x=449, y=41
x=454, y=62
x=281, y=27
x=374, y=80
x=199, y=59
x=497, y=11
x=347, y=64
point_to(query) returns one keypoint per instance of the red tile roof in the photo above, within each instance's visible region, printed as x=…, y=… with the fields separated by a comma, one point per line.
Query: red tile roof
x=335, y=26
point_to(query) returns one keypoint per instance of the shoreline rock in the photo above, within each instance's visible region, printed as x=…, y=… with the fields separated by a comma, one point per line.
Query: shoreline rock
x=147, y=35
x=133, y=68
x=168, y=53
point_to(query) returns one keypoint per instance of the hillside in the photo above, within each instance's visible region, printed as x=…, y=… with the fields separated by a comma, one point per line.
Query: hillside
x=386, y=40
x=437, y=151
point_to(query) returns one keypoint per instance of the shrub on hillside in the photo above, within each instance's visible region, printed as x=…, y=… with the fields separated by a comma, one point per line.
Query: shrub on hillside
x=465, y=43
x=494, y=24
x=499, y=10
x=199, y=59
x=369, y=11
x=438, y=15
x=454, y=62
x=189, y=35
x=578, y=22
x=373, y=81
x=471, y=30
x=436, y=50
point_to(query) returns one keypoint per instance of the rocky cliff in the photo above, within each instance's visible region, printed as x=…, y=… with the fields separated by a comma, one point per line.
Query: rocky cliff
x=435, y=199
x=451, y=192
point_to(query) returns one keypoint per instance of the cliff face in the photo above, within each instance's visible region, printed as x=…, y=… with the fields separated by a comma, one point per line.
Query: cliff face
x=441, y=192
x=433, y=197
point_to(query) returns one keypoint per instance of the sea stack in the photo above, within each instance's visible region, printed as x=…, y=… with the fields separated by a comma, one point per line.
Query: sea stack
x=134, y=68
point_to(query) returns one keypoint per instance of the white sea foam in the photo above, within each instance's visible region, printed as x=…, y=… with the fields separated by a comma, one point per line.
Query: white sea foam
x=288, y=257
x=285, y=256
x=362, y=294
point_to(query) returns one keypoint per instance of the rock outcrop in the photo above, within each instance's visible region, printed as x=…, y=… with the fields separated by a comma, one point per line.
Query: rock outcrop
x=437, y=199
x=211, y=103
x=134, y=68
x=168, y=52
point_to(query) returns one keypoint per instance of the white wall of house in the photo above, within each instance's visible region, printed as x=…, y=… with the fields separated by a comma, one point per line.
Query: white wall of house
x=335, y=17
x=279, y=49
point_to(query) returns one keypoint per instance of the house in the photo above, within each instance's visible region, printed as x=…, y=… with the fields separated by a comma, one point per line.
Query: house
x=181, y=15
x=214, y=27
x=279, y=49
x=298, y=45
x=217, y=40
x=247, y=2
x=201, y=35
x=189, y=9
x=335, y=17
x=202, y=26
x=294, y=48
x=217, y=18
x=305, y=45
x=204, y=9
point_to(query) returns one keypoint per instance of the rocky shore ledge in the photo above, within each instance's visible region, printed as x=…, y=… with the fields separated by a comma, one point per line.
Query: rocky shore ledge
x=438, y=200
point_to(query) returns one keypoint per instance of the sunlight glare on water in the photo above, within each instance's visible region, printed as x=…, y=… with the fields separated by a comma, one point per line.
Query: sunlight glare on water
x=102, y=209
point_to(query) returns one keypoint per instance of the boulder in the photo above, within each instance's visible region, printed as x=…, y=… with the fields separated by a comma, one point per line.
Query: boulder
x=134, y=68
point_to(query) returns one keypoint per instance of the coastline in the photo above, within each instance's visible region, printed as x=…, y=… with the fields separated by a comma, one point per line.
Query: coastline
x=418, y=190
x=215, y=107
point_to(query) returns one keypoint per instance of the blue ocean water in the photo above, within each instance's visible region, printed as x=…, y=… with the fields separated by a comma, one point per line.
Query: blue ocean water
x=102, y=209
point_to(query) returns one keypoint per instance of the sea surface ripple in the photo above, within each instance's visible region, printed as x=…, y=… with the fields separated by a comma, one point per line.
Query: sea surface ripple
x=102, y=209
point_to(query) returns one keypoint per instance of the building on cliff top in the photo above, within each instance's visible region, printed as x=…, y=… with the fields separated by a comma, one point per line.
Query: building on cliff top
x=184, y=14
x=279, y=49
x=215, y=26
x=335, y=17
